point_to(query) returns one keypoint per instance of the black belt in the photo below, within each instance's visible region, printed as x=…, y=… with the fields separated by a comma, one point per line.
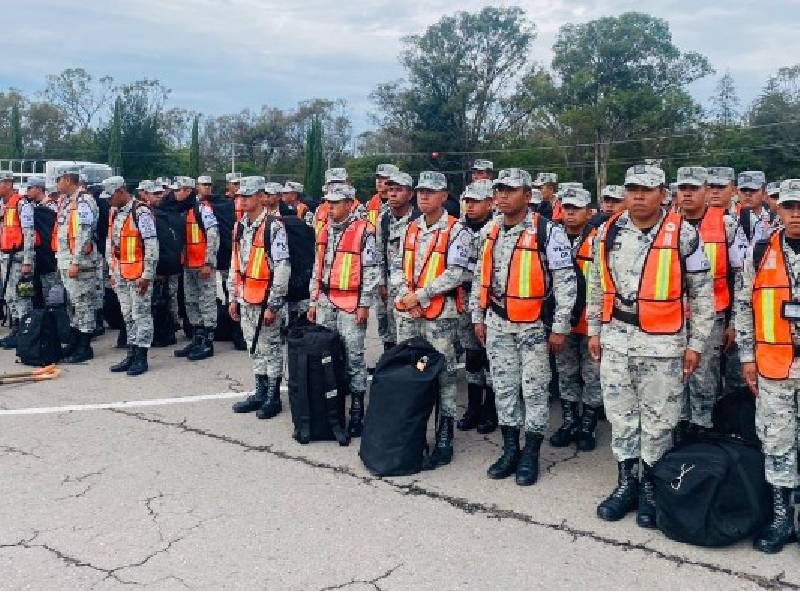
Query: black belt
x=499, y=309
x=625, y=317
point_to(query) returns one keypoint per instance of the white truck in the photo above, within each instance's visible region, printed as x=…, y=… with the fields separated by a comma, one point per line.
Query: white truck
x=24, y=169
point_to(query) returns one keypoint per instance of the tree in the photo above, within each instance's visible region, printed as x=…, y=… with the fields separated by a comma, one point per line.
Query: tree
x=15, y=137
x=314, y=161
x=194, y=149
x=115, y=142
x=79, y=95
x=725, y=102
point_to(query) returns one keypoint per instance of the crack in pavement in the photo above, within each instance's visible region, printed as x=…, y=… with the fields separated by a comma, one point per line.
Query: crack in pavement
x=78, y=478
x=477, y=508
x=373, y=582
x=234, y=384
x=559, y=461
x=19, y=451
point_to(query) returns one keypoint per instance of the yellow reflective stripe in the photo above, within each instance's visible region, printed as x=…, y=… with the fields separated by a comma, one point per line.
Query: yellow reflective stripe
x=662, y=274
x=408, y=265
x=373, y=217
x=601, y=253
x=711, y=253
x=74, y=222
x=768, y=315
x=524, y=283
x=344, y=275
x=194, y=233
x=433, y=268
x=585, y=270
x=129, y=250
x=257, y=263
x=10, y=216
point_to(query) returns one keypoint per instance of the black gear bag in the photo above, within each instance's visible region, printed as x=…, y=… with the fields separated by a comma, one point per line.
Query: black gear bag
x=404, y=391
x=38, y=343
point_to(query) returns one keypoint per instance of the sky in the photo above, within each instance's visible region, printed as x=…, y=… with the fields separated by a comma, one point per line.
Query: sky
x=219, y=56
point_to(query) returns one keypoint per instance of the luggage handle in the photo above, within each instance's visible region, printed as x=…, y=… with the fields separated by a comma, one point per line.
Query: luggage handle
x=304, y=420
x=331, y=396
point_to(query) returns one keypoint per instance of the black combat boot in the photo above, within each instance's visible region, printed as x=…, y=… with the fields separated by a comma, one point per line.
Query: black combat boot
x=472, y=415
x=625, y=496
x=646, y=515
x=443, y=452
x=205, y=349
x=585, y=440
x=570, y=424
x=139, y=365
x=10, y=341
x=125, y=363
x=237, y=337
x=780, y=531
x=272, y=406
x=196, y=340
x=356, y=423
x=72, y=342
x=528, y=466
x=507, y=463
x=99, y=324
x=488, y=413
x=83, y=350
x=255, y=400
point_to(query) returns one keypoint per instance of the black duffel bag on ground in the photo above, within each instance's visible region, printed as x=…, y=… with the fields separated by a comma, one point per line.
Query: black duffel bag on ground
x=317, y=384
x=38, y=340
x=404, y=390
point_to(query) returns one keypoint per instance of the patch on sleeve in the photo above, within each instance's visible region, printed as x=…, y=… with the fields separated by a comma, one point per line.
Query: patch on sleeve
x=207, y=214
x=280, y=243
x=697, y=261
x=147, y=226
x=738, y=249
x=370, y=254
x=559, y=250
x=85, y=214
x=26, y=215
x=460, y=250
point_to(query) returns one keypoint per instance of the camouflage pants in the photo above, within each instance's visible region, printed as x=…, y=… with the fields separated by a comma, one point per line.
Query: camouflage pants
x=440, y=333
x=642, y=397
x=704, y=383
x=81, y=297
x=100, y=285
x=268, y=356
x=352, y=335
x=173, y=283
x=778, y=427
x=51, y=281
x=519, y=363
x=17, y=306
x=578, y=374
x=382, y=316
x=200, y=298
x=136, y=311
x=477, y=362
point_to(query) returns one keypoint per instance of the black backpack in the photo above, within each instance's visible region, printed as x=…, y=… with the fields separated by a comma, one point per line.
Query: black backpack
x=38, y=342
x=163, y=323
x=171, y=232
x=43, y=221
x=317, y=384
x=734, y=416
x=404, y=390
x=225, y=325
x=226, y=215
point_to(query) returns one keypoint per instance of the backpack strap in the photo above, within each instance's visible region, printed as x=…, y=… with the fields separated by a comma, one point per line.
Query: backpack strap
x=300, y=399
x=759, y=250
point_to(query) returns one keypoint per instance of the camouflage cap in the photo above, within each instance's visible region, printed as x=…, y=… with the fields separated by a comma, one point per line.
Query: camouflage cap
x=751, y=180
x=536, y=196
x=432, y=180
x=339, y=192
x=251, y=185
x=542, y=178
x=401, y=178
x=773, y=188
x=204, y=180
x=337, y=174
x=111, y=185
x=292, y=186
x=720, y=175
x=385, y=170
x=6, y=176
x=576, y=197
x=155, y=188
x=233, y=177
x=163, y=182
x=273, y=188
x=613, y=191
x=692, y=176
x=144, y=184
x=649, y=176
x=479, y=190
x=568, y=185
x=483, y=165
x=182, y=182
x=36, y=182
x=513, y=178
x=790, y=191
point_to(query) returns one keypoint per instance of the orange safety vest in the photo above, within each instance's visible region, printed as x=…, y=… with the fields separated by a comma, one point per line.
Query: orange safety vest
x=584, y=259
x=344, y=280
x=435, y=264
x=373, y=209
x=526, y=286
x=322, y=214
x=558, y=212
x=11, y=239
x=773, y=333
x=196, y=243
x=72, y=228
x=130, y=252
x=715, y=244
x=660, y=296
x=254, y=282
x=238, y=207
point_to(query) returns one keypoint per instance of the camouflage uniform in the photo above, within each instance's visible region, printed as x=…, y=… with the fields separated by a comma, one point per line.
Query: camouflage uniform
x=268, y=356
x=332, y=317
x=641, y=374
x=135, y=306
x=200, y=295
x=518, y=353
x=82, y=289
x=440, y=332
x=476, y=374
x=13, y=262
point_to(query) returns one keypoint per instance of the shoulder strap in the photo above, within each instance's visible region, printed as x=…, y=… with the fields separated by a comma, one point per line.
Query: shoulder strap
x=759, y=250
x=541, y=232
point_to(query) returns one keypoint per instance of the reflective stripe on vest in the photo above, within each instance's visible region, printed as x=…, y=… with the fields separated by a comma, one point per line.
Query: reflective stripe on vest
x=321, y=217
x=660, y=295
x=526, y=285
x=558, y=212
x=344, y=280
x=196, y=243
x=11, y=238
x=131, y=250
x=373, y=209
x=773, y=333
x=584, y=259
x=715, y=244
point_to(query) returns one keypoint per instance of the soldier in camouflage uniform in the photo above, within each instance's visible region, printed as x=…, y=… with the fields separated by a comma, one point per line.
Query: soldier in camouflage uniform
x=199, y=274
x=524, y=259
x=429, y=299
x=77, y=256
x=17, y=238
x=768, y=334
x=132, y=254
x=613, y=199
x=346, y=309
x=725, y=245
x=375, y=208
x=258, y=292
x=645, y=260
x=335, y=176
x=52, y=290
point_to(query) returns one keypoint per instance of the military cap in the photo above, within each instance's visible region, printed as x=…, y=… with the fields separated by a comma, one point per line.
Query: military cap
x=576, y=197
x=336, y=174
x=536, y=196
x=720, y=175
x=614, y=191
x=385, y=170
x=479, y=190
x=432, y=180
x=692, y=176
x=568, y=185
x=649, y=176
x=292, y=186
x=6, y=175
x=513, y=178
x=233, y=177
x=339, y=192
x=182, y=182
x=36, y=182
x=483, y=165
x=751, y=180
x=773, y=188
x=401, y=178
x=111, y=185
x=790, y=191
x=204, y=180
x=164, y=182
x=252, y=184
x=144, y=185
x=273, y=188
x=155, y=188
x=542, y=178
